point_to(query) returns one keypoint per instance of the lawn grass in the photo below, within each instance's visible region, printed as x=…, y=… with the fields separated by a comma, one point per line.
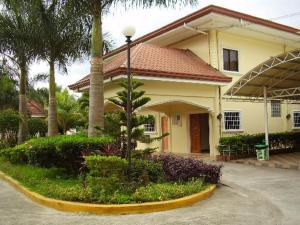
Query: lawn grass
x=53, y=183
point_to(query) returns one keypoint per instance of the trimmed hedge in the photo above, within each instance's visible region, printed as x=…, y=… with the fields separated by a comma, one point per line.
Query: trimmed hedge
x=143, y=171
x=59, y=151
x=277, y=141
x=177, y=168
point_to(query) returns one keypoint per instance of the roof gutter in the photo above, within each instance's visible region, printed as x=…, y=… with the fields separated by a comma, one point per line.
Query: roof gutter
x=194, y=29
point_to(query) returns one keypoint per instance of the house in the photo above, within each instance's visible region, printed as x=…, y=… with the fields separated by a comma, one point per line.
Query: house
x=35, y=110
x=189, y=64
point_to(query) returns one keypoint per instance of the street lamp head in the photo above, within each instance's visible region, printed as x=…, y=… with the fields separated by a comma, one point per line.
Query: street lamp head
x=128, y=31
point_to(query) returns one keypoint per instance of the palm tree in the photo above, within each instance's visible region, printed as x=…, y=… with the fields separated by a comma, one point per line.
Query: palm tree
x=18, y=39
x=95, y=9
x=67, y=111
x=65, y=39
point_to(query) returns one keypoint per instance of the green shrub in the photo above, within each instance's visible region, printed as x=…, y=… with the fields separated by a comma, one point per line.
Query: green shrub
x=37, y=126
x=106, y=176
x=59, y=151
x=3, y=145
x=145, y=171
x=9, y=125
x=16, y=154
x=106, y=166
x=166, y=191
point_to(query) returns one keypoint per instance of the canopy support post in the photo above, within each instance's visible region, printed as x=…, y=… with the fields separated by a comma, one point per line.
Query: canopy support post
x=266, y=121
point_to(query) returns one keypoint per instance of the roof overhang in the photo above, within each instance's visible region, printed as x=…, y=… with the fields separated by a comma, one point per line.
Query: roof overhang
x=86, y=84
x=215, y=17
x=280, y=75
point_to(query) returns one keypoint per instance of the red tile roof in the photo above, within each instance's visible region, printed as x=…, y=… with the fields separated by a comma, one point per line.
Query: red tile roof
x=35, y=109
x=200, y=13
x=154, y=61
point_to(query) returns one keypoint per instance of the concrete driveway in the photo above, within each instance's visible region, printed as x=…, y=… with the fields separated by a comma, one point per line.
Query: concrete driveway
x=250, y=195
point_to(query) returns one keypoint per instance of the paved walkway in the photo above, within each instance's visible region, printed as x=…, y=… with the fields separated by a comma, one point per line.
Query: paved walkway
x=250, y=196
x=283, y=161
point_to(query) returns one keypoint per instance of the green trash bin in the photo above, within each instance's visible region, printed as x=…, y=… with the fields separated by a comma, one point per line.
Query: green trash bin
x=261, y=151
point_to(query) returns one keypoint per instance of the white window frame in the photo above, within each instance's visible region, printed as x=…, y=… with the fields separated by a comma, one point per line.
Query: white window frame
x=222, y=59
x=280, y=111
x=150, y=132
x=232, y=130
x=293, y=112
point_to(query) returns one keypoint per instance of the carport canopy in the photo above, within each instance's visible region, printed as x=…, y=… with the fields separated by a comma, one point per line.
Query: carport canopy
x=280, y=75
x=277, y=78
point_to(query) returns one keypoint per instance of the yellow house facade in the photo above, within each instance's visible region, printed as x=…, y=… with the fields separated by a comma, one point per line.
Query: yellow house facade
x=203, y=55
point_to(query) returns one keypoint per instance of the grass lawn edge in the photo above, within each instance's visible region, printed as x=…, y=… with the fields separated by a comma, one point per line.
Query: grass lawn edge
x=134, y=208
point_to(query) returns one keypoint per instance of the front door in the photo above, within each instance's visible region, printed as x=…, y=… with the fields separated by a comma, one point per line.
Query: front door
x=195, y=133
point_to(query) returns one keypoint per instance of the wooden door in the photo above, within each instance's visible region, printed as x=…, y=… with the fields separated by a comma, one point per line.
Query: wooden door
x=195, y=133
x=164, y=129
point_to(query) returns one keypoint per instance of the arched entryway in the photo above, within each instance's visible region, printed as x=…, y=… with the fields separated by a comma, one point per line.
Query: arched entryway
x=188, y=125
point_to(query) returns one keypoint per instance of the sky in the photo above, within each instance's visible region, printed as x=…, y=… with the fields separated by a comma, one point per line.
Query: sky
x=146, y=20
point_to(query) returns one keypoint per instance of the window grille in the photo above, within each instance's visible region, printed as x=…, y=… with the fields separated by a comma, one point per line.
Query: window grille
x=232, y=120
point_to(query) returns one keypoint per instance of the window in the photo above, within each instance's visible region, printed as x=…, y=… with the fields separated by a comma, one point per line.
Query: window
x=275, y=109
x=232, y=120
x=296, y=119
x=150, y=127
x=230, y=60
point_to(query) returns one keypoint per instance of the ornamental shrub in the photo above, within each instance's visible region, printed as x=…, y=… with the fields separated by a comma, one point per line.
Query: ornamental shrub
x=59, y=151
x=9, y=125
x=145, y=171
x=106, y=166
x=37, y=126
x=177, y=168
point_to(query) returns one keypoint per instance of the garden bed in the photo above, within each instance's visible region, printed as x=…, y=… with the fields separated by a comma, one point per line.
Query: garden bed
x=47, y=187
x=53, y=183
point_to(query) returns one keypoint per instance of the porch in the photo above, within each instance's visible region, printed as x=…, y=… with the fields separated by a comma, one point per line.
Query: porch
x=191, y=127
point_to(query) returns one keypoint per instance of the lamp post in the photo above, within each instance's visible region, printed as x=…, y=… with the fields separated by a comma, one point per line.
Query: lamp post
x=128, y=32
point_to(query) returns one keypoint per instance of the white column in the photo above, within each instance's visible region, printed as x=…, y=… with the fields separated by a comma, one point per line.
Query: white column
x=266, y=120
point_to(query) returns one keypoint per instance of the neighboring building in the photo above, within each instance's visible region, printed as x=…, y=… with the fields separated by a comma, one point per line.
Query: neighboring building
x=35, y=110
x=188, y=65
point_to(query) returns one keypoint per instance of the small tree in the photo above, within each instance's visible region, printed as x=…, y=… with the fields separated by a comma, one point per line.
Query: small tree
x=138, y=100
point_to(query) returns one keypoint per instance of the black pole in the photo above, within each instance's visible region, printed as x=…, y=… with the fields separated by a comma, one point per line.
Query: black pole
x=129, y=107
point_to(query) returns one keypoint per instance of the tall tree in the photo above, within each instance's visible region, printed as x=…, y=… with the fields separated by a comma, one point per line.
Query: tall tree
x=96, y=9
x=18, y=39
x=65, y=39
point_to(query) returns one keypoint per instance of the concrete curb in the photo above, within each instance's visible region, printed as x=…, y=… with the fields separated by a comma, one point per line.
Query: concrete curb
x=110, y=209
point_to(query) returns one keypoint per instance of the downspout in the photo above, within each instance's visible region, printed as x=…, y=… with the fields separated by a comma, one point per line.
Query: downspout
x=220, y=111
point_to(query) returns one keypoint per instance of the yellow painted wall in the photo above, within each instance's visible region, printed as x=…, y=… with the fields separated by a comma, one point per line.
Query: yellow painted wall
x=200, y=95
x=197, y=44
